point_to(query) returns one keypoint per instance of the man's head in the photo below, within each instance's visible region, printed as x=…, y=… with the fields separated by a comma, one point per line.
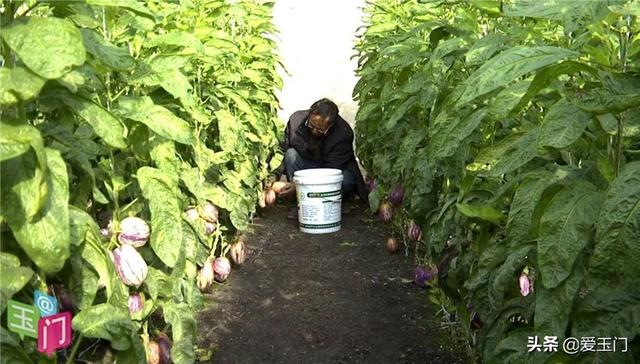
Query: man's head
x=322, y=115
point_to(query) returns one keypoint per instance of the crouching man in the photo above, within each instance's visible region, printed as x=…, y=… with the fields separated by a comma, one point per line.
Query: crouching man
x=320, y=138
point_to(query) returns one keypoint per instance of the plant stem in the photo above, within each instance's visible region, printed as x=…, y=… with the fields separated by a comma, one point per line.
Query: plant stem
x=76, y=345
x=618, y=151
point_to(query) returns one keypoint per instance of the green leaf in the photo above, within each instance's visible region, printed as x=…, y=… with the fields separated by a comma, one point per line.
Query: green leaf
x=505, y=276
x=563, y=124
x=608, y=311
x=229, y=128
x=448, y=132
x=131, y=5
x=18, y=84
x=486, y=213
x=84, y=232
x=553, y=305
x=183, y=326
x=399, y=112
x=108, y=322
x=160, y=189
x=630, y=8
x=507, y=99
x=112, y=56
x=617, y=253
x=485, y=48
x=163, y=153
x=50, y=47
x=11, y=350
x=13, y=277
x=177, y=84
x=550, y=9
x=507, y=66
x=601, y=100
x=545, y=76
x=176, y=38
x=507, y=155
x=45, y=238
x=157, y=118
x=104, y=123
x=158, y=283
x=565, y=230
x=24, y=177
x=524, y=202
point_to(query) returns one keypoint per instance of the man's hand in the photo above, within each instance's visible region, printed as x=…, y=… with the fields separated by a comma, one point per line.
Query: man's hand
x=287, y=189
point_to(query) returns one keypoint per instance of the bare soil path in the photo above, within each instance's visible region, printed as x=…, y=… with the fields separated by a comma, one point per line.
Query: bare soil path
x=333, y=298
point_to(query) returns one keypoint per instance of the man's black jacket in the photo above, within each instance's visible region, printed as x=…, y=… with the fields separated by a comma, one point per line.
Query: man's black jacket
x=337, y=148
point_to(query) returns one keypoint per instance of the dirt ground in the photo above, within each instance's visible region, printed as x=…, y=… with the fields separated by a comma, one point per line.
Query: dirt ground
x=332, y=298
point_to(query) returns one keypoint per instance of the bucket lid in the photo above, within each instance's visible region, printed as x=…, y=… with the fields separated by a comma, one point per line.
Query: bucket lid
x=317, y=176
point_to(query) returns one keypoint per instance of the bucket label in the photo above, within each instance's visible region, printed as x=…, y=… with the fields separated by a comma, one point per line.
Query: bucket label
x=324, y=194
x=320, y=226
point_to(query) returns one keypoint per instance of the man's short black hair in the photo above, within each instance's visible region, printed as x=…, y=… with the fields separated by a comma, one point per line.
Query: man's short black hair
x=325, y=108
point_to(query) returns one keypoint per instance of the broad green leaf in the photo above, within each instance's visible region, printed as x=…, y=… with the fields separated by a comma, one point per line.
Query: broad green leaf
x=565, y=230
x=105, y=321
x=183, y=327
x=84, y=232
x=449, y=130
x=553, y=305
x=229, y=128
x=203, y=191
x=563, y=124
x=507, y=155
x=524, y=202
x=276, y=161
x=163, y=153
x=159, y=119
x=16, y=139
x=46, y=236
x=18, y=84
x=549, y=9
x=115, y=57
x=545, y=76
x=11, y=350
x=158, y=283
x=399, y=112
x=83, y=282
x=507, y=99
x=486, y=213
x=131, y=5
x=177, y=84
x=608, y=311
x=482, y=50
x=617, y=253
x=504, y=276
x=629, y=8
x=507, y=66
x=50, y=47
x=509, y=349
x=25, y=190
x=602, y=101
x=13, y=277
x=161, y=190
x=104, y=123
x=176, y=38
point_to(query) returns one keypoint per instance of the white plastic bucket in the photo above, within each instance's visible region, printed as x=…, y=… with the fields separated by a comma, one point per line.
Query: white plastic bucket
x=319, y=194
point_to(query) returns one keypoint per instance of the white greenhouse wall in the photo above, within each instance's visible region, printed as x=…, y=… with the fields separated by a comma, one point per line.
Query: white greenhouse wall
x=315, y=40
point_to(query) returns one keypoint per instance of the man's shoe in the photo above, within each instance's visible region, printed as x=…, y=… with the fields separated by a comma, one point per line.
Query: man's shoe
x=293, y=214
